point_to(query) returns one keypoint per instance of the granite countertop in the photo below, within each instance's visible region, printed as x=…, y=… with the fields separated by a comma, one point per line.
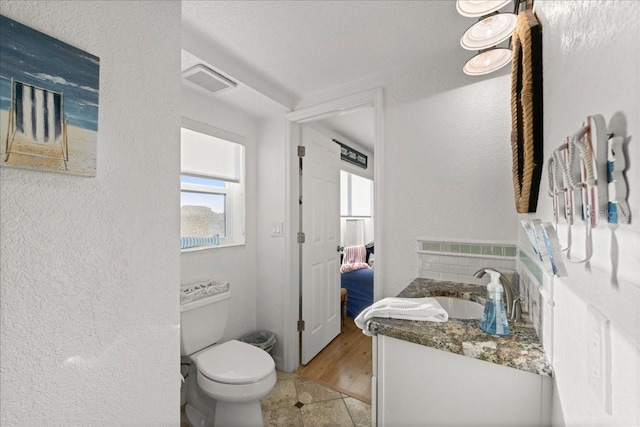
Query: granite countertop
x=521, y=349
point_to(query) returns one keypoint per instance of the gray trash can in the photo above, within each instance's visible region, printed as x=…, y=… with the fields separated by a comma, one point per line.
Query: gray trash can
x=261, y=339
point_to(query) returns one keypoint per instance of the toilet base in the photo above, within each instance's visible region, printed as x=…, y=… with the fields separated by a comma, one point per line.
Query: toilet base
x=197, y=418
x=236, y=414
x=200, y=408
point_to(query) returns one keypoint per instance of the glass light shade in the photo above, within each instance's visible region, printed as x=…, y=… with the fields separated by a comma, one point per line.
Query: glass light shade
x=487, y=61
x=477, y=8
x=489, y=31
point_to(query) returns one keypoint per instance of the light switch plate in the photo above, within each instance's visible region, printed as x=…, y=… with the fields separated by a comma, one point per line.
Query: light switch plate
x=276, y=229
x=599, y=356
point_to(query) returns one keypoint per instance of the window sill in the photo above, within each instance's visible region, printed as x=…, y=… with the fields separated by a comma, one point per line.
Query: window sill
x=204, y=248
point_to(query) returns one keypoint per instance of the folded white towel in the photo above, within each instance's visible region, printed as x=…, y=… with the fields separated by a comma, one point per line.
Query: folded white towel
x=424, y=309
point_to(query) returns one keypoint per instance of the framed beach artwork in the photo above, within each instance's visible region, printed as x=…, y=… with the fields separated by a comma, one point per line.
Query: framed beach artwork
x=48, y=102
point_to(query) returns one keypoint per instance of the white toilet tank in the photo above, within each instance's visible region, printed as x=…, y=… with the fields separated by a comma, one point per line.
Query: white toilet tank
x=203, y=314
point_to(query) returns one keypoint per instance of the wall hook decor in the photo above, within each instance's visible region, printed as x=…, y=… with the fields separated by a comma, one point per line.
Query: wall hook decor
x=576, y=161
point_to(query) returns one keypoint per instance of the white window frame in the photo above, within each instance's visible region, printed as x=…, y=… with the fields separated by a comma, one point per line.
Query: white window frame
x=234, y=190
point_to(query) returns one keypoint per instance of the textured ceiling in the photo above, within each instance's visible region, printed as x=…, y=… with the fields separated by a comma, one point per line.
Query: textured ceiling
x=302, y=48
x=309, y=46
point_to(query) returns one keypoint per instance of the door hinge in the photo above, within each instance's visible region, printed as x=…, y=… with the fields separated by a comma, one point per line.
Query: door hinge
x=301, y=237
x=300, y=325
x=301, y=150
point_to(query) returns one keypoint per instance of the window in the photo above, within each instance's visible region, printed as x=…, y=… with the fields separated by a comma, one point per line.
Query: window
x=211, y=188
x=356, y=195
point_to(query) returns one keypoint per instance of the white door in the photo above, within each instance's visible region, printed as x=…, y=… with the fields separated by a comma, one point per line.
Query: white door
x=320, y=256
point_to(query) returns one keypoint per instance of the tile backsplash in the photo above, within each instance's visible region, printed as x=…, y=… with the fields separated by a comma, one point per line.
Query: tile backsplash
x=469, y=249
x=457, y=261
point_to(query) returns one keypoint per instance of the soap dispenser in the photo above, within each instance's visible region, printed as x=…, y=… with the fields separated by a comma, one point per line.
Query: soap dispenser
x=494, y=319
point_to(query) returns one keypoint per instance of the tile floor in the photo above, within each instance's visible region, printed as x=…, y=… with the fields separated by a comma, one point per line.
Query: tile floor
x=296, y=401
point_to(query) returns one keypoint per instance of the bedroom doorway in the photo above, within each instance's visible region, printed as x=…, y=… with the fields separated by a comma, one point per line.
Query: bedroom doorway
x=345, y=364
x=332, y=110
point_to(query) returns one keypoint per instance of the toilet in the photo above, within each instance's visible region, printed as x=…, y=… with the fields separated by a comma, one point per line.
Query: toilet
x=225, y=381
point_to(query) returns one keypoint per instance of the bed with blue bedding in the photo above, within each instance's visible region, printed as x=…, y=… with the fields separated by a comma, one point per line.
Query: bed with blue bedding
x=359, y=286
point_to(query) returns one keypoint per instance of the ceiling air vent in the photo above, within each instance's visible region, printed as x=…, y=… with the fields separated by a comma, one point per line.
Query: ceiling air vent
x=207, y=79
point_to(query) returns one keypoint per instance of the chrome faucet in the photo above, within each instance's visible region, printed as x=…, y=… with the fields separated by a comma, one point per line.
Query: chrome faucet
x=512, y=301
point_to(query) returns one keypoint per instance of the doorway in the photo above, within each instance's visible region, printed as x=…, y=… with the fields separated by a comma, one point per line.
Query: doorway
x=343, y=361
x=371, y=99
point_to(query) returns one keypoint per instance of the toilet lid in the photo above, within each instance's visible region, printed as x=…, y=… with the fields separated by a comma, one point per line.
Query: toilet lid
x=235, y=362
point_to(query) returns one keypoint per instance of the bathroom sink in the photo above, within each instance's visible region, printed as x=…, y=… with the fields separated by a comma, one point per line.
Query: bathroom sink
x=461, y=308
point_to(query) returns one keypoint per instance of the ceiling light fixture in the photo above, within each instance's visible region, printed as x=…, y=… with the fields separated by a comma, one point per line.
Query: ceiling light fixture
x=491, y=29
x=487, y=61
x=477, y=8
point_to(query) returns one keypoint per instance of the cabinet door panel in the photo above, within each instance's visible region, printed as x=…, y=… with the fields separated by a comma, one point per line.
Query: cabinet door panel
x=419, y=385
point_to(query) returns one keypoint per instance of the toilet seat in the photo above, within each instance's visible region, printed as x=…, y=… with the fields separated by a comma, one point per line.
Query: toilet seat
x=235, y=362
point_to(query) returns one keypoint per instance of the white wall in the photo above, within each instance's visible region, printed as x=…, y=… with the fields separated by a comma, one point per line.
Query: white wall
x=447, y=173
x=237, y=264
x=89, y=268
x=272, y=292
x=591, y=66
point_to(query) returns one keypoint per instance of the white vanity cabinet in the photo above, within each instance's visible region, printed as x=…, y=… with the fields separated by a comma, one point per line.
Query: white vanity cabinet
x=416, y=385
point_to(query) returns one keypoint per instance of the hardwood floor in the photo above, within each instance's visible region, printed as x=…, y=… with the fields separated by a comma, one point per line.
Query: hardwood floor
x=344, y=365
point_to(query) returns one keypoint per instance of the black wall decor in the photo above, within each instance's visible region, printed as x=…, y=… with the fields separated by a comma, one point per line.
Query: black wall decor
x=350, y=155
